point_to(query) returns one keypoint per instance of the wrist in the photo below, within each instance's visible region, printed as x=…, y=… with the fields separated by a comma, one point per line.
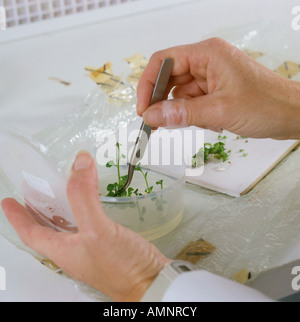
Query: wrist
x=157, y=289
x=144, y=281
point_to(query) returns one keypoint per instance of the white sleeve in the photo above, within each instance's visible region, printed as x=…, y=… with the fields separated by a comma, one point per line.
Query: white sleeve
x=203, y=286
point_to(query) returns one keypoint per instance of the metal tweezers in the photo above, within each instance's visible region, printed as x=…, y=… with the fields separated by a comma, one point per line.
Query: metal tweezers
x=145, y=130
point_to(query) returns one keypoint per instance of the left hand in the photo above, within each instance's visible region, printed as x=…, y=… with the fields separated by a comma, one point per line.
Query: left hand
x=103, y=254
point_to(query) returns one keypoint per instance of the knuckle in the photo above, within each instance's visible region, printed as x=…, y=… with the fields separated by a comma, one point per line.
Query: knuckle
x=157, y=55
x=220, y=46
x=154, y=57
x=216, y=42
x=224, y=46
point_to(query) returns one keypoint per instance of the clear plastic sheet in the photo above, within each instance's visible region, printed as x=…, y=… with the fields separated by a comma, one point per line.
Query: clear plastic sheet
x=250, y=232
x=113, y=102
x=97, y=117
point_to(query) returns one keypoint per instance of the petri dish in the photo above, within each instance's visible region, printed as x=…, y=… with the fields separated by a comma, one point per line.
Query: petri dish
x=151, y=215
x=30, y=174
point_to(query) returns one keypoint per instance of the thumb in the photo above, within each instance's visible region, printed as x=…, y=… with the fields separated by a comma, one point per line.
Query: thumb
x=200, y=111
x=82, y=190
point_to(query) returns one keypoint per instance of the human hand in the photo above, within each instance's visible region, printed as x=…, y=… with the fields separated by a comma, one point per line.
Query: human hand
x=217, y=86
x=102, y=254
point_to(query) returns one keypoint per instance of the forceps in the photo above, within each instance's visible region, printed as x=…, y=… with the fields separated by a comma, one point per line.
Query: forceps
x=145, y=130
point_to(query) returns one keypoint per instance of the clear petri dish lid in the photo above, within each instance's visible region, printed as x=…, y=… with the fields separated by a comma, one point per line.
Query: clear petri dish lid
x=31, y=176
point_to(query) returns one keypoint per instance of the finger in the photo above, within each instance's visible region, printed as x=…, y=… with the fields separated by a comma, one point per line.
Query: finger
x=82, y=190
x=174, y=81
x=188, y=90
x=206, y=111
x=190, y=61
x=181, y=79
x=181, y=73
x=44, y=240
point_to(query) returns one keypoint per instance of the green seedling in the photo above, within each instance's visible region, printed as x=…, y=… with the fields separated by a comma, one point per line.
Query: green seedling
x=217, y=150
x=114, y=188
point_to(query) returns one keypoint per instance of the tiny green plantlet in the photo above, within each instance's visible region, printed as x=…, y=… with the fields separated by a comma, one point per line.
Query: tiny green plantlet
x=114, y=188
x=149, y=189
x=217, y=150
x=160, y=182
x=244, y=154
x=220, y=137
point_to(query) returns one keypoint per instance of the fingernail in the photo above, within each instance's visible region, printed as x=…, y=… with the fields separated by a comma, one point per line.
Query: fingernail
x=82, y=161
x=153, y=117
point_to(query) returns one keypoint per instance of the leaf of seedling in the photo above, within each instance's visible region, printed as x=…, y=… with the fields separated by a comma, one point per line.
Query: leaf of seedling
x=220, y=137
x=130, y=191
x=198, y=159
x=110, y=164
x=123, y=193
x=111, y=187
x=136, y=192
x=149, y=190
x=138, y=167
x=160, y=183
x=123, y=180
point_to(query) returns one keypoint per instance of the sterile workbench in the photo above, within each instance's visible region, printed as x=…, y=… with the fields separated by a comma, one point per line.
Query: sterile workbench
x=30, y=54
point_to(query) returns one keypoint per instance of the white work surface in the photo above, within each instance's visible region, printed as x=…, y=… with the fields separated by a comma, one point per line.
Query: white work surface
x=61, y=48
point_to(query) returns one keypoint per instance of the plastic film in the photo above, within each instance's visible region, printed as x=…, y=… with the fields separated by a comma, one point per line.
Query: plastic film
x=248, y=233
